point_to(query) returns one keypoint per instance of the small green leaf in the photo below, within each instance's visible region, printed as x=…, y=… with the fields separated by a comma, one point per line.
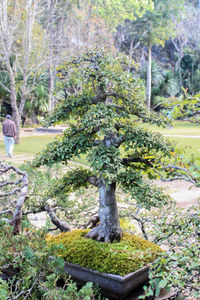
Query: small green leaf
x=163, y=283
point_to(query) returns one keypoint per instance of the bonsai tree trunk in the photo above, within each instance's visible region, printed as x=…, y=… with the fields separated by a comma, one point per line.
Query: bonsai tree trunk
x=109, y=227
x=148, y=92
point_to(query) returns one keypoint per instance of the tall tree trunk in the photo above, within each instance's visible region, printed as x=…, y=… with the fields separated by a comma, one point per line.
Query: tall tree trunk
x=13, y=96
x=109, y=228
x=148, y=91
x=15, y=115
x=179, y=74
x=51, y=86
x=22, y=103
x=52, y=21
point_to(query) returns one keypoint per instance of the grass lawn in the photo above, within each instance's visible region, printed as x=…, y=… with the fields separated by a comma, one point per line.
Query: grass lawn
x=191, y=146
x=30, y=145
x=179, y=128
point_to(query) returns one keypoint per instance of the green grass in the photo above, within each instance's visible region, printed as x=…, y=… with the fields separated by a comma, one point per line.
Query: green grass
x=30, y=145
x=191, y=146
x=179, y=128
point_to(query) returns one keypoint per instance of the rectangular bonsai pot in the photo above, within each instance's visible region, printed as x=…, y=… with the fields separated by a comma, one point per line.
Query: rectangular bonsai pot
x=113, y=286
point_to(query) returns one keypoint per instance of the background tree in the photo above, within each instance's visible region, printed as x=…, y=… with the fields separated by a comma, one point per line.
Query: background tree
x=17, y=33
x=187, y=49
x=106, y=105
x=70, y=28
x=37, y=102
x=115, y=12
x=55, y=18
x=153, y=28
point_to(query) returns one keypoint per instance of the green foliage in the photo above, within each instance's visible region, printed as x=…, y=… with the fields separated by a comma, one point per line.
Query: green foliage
x=36, y=274
x=64, y=148
x=144, y=142
x=115, y=12
x=75, y=104
x=132, y=182
x=4, y=290
x=158, y=23
x=121, y=258
x=180, y=266
x=71, y=182
x=107, y=109
x=105, y=161
x=164, y=85
x=188, y=108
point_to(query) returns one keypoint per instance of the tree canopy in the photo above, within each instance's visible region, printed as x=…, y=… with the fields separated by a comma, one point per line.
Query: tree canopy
x=115, y=12
x=107, y=106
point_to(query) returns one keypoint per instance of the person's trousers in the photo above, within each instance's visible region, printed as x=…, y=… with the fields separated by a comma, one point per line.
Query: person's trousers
x=9, y=144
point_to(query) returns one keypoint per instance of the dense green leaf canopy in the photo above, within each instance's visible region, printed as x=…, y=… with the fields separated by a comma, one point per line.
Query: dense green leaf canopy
x=105, y=108
x=116, y=11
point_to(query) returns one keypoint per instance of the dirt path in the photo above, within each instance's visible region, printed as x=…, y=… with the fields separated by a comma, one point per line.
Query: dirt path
x=184, y=193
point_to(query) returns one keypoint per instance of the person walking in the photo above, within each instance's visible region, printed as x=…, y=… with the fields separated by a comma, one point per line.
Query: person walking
x=9, y=133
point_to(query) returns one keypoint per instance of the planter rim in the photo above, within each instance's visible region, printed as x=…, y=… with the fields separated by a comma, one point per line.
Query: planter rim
x=112, y=276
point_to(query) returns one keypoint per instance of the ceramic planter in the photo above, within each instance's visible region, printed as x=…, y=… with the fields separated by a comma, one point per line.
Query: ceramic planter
x=112, y=286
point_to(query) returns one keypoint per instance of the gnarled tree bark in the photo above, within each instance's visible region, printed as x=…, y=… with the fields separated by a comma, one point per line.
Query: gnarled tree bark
x=23, y=192
x=109, y=228
x=63, y=226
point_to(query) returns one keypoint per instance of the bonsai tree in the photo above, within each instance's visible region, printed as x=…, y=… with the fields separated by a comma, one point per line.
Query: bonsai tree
x=104, y=105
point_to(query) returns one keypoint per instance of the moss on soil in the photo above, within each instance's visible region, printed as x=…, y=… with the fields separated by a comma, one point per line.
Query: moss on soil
x=121, y=258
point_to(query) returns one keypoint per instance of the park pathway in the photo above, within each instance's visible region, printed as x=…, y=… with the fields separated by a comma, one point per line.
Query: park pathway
x=17, y=159
x=183, y=136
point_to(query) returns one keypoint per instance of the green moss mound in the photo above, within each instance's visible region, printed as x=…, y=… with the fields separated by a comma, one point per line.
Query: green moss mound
x=121, y=258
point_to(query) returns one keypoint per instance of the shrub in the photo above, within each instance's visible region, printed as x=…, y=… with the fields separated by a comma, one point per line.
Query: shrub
x=31, y=273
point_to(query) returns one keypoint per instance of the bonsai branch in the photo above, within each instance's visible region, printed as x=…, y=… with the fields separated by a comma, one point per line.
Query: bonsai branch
x=8, y=211
x=93, y=180
x=181, y=173
x=103, y=97
x=10, y=193
x=127, y=160
x=63, y=226
x=141, y=223
x=92, y=223
x=4, y=183
x=23, y=191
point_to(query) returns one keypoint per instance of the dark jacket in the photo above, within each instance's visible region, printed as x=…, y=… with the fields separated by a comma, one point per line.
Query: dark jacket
x=9, y=128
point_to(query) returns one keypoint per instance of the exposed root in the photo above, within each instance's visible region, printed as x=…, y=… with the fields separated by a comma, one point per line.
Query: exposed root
x=102, y=235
